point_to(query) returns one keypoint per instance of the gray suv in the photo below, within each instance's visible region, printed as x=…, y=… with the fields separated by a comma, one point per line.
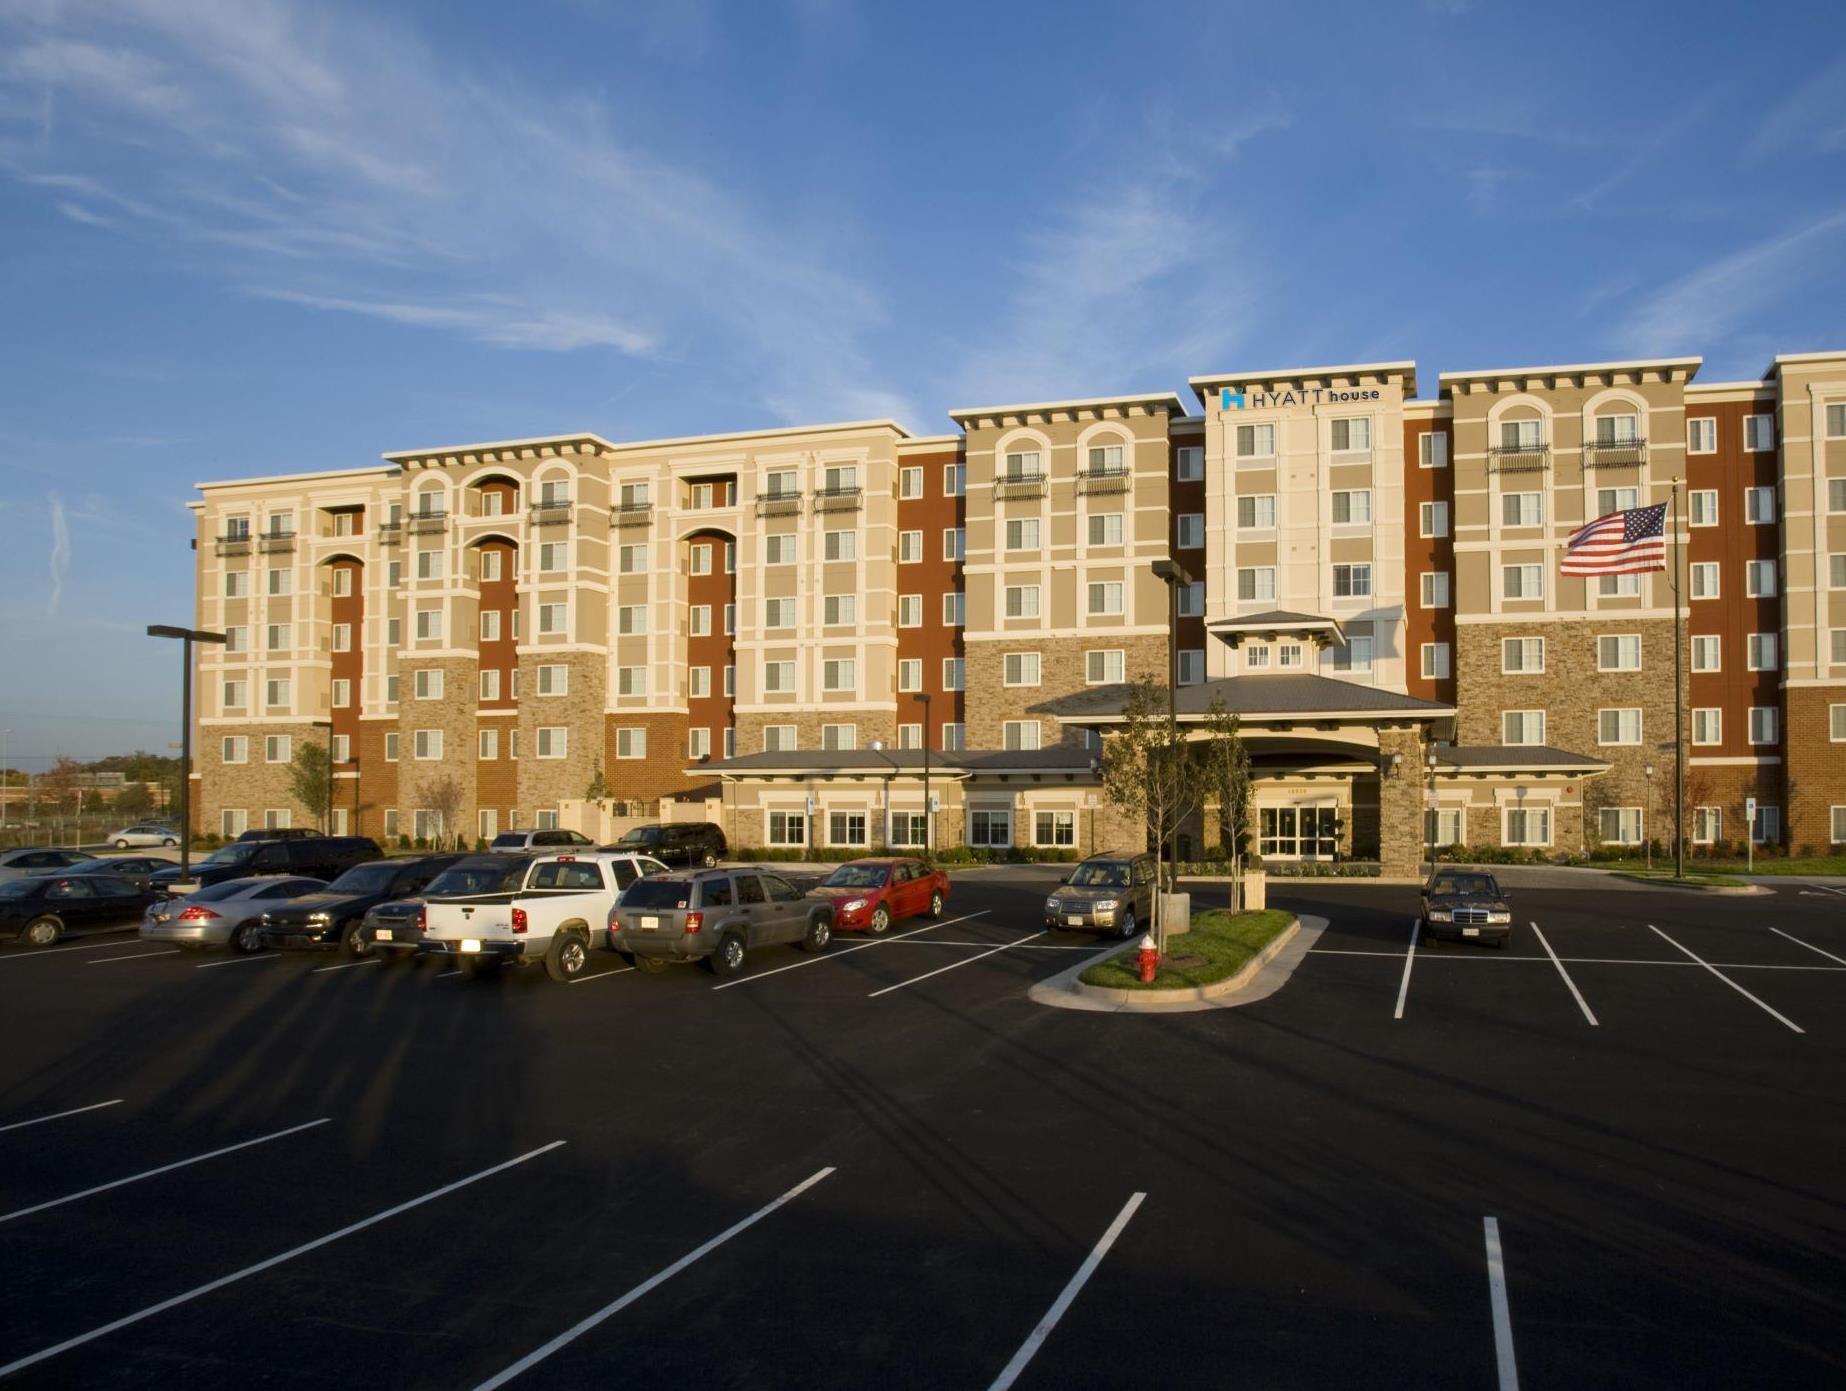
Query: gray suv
x=718, y=916
x=1106, y=893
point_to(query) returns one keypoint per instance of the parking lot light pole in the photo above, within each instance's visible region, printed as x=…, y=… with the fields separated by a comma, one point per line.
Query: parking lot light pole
x=924, y=697
x=186, y=636
x=1647, y=831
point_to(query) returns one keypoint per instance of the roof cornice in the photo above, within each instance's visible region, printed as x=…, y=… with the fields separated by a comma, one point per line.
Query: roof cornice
x=1084, y=408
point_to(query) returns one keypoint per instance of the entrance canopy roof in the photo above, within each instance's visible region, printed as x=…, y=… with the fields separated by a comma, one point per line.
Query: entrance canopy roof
x=1285, y=697
x=858, y=763
x=1274, y=624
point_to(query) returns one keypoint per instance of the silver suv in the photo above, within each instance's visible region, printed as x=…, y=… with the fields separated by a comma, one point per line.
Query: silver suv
x=718, y=916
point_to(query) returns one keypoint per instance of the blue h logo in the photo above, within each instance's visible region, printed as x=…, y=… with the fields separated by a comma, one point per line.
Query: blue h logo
x=1228, y=398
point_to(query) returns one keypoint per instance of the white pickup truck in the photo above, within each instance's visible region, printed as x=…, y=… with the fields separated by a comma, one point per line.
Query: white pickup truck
x=557, y=915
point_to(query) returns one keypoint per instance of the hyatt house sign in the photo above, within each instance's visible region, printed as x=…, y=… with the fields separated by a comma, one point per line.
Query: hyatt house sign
x=1317, y=396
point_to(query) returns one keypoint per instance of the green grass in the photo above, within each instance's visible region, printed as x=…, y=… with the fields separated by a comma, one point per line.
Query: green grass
x=1808, y=864
x=1693, y=876
x=1224, y=940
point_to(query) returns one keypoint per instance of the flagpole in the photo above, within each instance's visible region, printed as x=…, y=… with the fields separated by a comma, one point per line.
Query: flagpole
x=1679, y=705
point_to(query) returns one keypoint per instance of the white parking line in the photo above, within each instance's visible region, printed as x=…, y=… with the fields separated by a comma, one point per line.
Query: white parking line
x=1777, y=1014
x=446, y=974
x=1581, y=960
x=1575, y=993
x=1010, y=1373
x=138, y=956
x=1809, y=945
x=1410, y=957
x=1825, y=888
x=59, y=1115
x=53, y=951
x=577, y=1330
x=163, y=1169
x=618, y=971
x=1502, y=1319
x=240, y=960
x=836, y=955
x=1042, y=946
x=44, y=1354
x=348, y=965
x=953, y=965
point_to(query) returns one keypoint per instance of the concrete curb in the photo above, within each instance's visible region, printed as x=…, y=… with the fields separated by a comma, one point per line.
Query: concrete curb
x=1260, y=977
x=1734, y=890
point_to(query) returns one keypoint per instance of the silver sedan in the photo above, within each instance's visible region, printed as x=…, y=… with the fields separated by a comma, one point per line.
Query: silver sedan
x=223, y=914
x=138, y=836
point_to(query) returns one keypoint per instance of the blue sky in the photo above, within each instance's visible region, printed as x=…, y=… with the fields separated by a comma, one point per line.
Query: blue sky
x=261, y=236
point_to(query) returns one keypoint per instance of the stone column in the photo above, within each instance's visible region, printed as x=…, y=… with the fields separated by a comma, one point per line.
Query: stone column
x=1400, y=800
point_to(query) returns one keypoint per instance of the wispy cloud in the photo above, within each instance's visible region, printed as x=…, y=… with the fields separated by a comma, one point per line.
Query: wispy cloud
x=60, y=556
x=1813, y=114
x=77, y=213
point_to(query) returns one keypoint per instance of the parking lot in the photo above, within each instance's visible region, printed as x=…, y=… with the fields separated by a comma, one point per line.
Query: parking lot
x=1612, y=1154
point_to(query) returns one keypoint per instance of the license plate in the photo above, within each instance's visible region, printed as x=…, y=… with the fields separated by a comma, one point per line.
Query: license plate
x=381, y=934
x=1074, y=920
x=1471, y=932
x=469, y=945
x=650, y=924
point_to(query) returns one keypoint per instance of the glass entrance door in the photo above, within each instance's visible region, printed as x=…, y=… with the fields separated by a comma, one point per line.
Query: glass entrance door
x=1309, y=831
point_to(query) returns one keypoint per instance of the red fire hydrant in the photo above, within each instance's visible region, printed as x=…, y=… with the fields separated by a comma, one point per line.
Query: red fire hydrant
x=1148, y=959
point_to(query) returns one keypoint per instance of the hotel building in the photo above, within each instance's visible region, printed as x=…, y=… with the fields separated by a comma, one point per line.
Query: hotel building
x=778, y=629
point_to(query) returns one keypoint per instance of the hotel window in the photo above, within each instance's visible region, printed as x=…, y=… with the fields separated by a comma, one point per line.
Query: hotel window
x=1759, y=579
x=1618, y=429
x=730, y=681
x=1435, y=661
x=1836, y=429
x=954, y=480
x=1619, y=825
x=1192, y=600
x=629, y=560
x=1256, y=441
x=551, y=619
x=489, y=745
x=781, y=548
x=1190, y=463
x=1352, y=508
x=340, y=748
x=631, y=741
x=1618, y=726
x=778, y=613
x=1256, y=582
x=910, y=610
x=545, y=820
x=1355, y=654
x=1522, y=509
x=1836, y=724
x=954, y=609
x=492, y=504
x=1765, y=724
x=1443, y=825
x=553, y=741
x=1616, y=500
x=1102, y=668
x=429, y=624
x=910, y=736
x=1433, y=519
x=1759, y=506
x=698, y=742
x=1105, y=528
x=490, y=625
x=1837, y=640
x=730, y=741
x=1836, y=571
x=1019, y=734
x=698, y=682
x=701, y=559
x=1707, y=652
x=234, y=694
x=1760, y=652
x=1522, y=656
x=426, y=744
x=1522, y=727
x=841, y=478
x=490, y=565
x=553, y=679
x=910, y=674
x=846, y=828
x=276, y=693
x=553, y=556
x=490, y=685
x=631, y=619
x=1838, y=827
x=781, y=483
x=788, y=828
x=278, y=637
x=392, y=684
x=236, y=584
x=1768, y=825
x=1704, y=577
x=1022, y=601
x=1527, y=826
x=1618, y=653
x=1192, y=530
x=342, y=638
x=910, y=482
x=391, y=747
x=954, y=673
x=631, y=681
x=839, y=738
x=1106, y=458
x=554, y=492
x=278, y=748
x=1708, y=725
x=1106, y=597
x=236, y=749
x=1759, y=433
x=1352, y=581
x=343, y=580
x=281, y=582
x=954, y=543
x=278, y=819
x=1022, y=533
x=839, y=674
x=427, y=684
x=1433, y=449
x=1707, y=825
x=909, y=547
x=698, y=621
x=342, y=695
x=702, y=496
x=840, y=545
x=429, y=565
x=1352, y=435
x=1256, y=657
x=1702, y=435
x=1435, y=589
x=1523, y=581
x=1702, y=507
x=954, y=737
x=1288, y=654
x=394, y=576
x=1256, y=512
x=1191, y=666
x=990, y=828
x=237, y=528
x=1517, y=435
x=1618, y=586
x=1023, y=464
x=1020, y=669
x=512, y=682
x=1054, y=828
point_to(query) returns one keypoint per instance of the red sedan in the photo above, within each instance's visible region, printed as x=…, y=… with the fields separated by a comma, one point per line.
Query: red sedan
x=869, y=895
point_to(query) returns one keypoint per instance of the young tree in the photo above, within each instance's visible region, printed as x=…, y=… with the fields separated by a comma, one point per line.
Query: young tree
x=1148, y=773
x=135, y=802
x=57, y=785
x=443, y=795
x=310, y=778
x=1225, y=770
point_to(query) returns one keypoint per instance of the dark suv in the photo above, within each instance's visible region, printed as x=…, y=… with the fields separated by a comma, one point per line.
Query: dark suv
x=717, y=916
x=1106, y=893
x=335, y=916
x=278, y=833
x=675, y=843
x=315, y=857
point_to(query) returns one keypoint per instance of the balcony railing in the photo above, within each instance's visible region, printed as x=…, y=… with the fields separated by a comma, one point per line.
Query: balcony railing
x=274, y=542
x=631, y=514
x=551, y=513
x=1518, y=458
x=235, y=543
x=390, y=533
x=424, y=522
x=1102, y=480
x=1011, y=485
x=841, y=499
x=778, y=504
x=1608, y=454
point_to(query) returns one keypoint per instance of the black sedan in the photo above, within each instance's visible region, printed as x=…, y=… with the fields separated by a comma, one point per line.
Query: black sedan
x=335, y=916
x=1466, y=905
x=138, y=870
x=40, y=910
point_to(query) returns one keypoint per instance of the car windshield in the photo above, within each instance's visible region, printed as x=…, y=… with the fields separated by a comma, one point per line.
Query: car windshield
x=641, y=835
x=20, y=888
x=1468, y=885
x=657, y=893
x=1100, y=876
x=510, y=840
x=857, y=877
x=478, y=879
x=212, y=893
x=364, y=879
x=234, y=854
x=96, y=867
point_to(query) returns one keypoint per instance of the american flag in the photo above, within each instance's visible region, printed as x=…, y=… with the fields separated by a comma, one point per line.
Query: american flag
x=1622, y=543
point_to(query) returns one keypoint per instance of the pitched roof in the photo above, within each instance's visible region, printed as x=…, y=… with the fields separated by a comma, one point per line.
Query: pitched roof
x=1059, y=758
x=1281, y=694
x=1488, y=758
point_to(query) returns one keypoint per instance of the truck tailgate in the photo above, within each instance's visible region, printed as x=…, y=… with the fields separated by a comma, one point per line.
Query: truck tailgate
x=455, y=920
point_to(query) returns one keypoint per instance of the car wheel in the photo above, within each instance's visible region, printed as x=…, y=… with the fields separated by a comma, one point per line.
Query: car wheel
x=881, y=921
x=709, y=860
x=728, y=960
x=819, y=933
x=935, y=904
x=568, y=958
x=1125, y=929
x=246, y=938
x=354, y=943
x=119, y=844
x=653, y=965
x=170, y=843
x=42, y=932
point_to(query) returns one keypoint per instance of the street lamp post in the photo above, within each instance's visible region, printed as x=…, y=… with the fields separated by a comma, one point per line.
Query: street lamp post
x=186, y=636
x=1174, y=575
x=1429, y=810
x=1646, y=830
x=924, y=697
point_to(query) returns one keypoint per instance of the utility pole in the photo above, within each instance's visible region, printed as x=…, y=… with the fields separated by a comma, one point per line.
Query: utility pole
x=1679, y=701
